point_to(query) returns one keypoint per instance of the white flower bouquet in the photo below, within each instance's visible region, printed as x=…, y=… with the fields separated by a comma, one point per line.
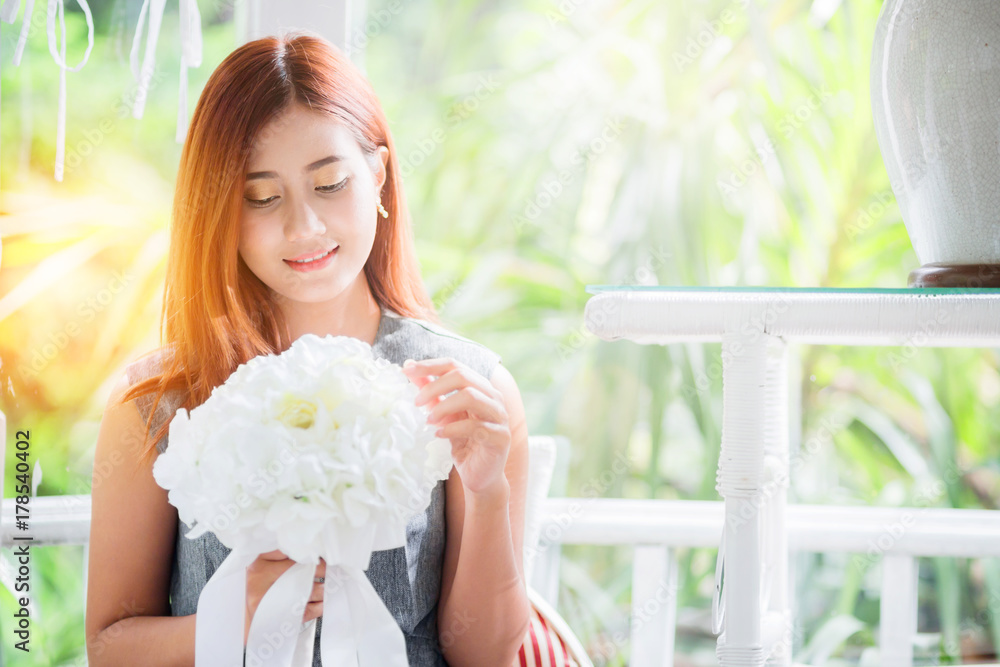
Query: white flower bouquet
x=320, y=452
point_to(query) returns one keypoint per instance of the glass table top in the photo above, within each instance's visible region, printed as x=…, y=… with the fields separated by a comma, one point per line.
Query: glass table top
x=751, y=289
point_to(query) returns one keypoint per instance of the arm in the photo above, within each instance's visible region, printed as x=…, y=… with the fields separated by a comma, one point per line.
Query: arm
x=483, y=612
x=132, y=534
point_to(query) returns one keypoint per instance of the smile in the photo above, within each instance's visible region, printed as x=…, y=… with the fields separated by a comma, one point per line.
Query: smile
x=312, y=263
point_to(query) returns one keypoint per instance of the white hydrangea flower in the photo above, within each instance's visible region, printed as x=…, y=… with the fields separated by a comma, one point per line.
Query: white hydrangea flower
x=321, y=438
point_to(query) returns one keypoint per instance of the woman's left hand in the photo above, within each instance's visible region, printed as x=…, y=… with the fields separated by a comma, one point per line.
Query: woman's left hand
x=474, y=418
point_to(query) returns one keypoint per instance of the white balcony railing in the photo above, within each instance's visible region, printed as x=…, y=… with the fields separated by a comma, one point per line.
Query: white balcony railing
x=655, y=529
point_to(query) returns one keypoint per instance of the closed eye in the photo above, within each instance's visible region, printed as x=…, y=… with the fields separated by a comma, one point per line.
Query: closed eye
x=258, y=203
x=334, y=187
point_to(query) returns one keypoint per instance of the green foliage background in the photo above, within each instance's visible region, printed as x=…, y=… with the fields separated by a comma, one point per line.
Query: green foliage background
x=548, y=145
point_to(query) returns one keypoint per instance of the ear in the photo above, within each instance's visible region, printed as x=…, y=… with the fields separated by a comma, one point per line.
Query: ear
x=381, y=160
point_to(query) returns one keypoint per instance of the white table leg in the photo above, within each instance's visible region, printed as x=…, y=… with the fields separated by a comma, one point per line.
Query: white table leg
x=778, y=621
x=754, y=403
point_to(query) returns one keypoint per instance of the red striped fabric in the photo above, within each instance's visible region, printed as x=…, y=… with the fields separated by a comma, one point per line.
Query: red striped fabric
x=543, y=647
x=535, y=644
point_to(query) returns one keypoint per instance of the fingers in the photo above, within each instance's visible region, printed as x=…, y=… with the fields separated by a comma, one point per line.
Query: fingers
x=471, y=400
x=416, y=378
x=455, y=388
x=470, y=430
x=313, y=610
x=317, y=593
x=277, y=554
x=317, y=589
x=449, y=375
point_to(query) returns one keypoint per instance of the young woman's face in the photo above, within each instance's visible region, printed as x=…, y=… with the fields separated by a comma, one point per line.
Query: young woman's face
x=309, y=191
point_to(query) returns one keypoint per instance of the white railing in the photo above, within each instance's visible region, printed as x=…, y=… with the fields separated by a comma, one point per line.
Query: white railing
x=755, y=326
x=655, y=529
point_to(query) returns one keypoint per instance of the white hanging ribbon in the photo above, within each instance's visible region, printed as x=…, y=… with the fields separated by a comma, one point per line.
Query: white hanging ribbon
x=22, y=38
x=358, y=630
x=54, y=7
x=8, y=13
x=191, y=55
x=9, y=10
x=190, y=27
x=221, y=615
x=144, y=76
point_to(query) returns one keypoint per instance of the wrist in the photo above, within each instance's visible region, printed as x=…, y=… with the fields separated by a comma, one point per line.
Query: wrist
x=495, y=495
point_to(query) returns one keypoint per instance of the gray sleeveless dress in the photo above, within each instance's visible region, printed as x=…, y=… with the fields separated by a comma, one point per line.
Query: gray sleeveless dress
x=408, y=579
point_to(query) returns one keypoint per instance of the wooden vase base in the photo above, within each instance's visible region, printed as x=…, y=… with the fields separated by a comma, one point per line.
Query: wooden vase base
x=955, y=275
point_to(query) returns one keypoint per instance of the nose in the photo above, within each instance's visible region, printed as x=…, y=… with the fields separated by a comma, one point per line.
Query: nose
x=303, y=222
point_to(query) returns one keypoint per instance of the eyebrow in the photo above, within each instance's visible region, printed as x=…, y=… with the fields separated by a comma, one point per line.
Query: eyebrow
x=309, y=167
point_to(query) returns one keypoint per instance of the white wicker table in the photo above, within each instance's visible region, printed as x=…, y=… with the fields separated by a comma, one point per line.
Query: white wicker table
x=752, y=611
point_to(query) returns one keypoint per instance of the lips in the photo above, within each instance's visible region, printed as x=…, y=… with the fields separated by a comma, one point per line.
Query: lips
x=312, y=255
x=317, y=260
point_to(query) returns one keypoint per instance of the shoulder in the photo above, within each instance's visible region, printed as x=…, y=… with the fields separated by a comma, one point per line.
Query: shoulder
x=405, y=338
x=145, y=366
x=142, y=368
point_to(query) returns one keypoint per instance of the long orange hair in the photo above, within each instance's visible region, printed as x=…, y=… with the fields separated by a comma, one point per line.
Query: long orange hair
x=216, y=313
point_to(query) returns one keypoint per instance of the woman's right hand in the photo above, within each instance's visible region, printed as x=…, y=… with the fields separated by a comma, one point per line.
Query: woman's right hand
x=264, y=571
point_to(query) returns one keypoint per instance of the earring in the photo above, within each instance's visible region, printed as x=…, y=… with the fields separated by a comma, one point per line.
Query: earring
x=381, y=209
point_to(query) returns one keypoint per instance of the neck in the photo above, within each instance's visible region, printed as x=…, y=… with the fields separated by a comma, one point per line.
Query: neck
x=354, y=312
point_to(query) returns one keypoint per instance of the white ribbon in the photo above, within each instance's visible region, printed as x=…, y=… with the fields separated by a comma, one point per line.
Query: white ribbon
x=149, y=58
x=22, y=38
x=8, y=13
x=190, y=27
x=358, y=630
x=191, y=55
x=56, y=6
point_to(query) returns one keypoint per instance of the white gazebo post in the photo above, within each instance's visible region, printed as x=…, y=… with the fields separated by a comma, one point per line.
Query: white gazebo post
x=340, y=22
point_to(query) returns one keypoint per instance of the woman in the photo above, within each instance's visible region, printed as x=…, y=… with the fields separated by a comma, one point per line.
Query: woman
x=289, y=218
